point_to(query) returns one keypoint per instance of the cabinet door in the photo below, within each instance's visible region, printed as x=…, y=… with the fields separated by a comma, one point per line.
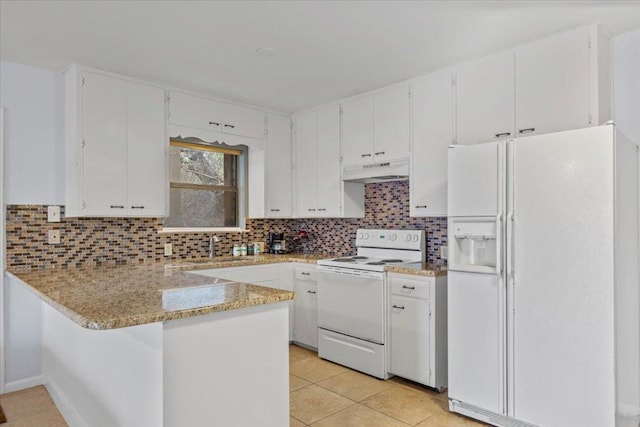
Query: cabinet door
x=146, y=148
x=552, y=84
x=306, y=313
x=485, y=100
x=278, y=188
x=243, y=121
x=432, y=99
x=328, y=162
x=410, y=338
x=357, y=131
x=306, y=184
x=391, y=124
x=194, y=111
x=105, y=150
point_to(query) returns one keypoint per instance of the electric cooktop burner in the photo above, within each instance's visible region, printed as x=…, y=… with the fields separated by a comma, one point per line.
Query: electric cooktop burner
x=375, y=263
x=344, y=260
x=359, y=257
x=391, y=260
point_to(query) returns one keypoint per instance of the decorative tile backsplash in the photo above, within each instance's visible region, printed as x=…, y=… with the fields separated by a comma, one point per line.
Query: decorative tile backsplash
x=111, y=241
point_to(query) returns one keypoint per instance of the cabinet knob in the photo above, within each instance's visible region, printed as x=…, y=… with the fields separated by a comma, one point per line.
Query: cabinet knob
x=137, y=207
x=421, y=206
x=408, y=287
x=399, y=307
x=306, y=274
x=499, y=135
x=379, y=153
x=214, y=123
x=527, y=130
x=229, y=126
x=117, y=207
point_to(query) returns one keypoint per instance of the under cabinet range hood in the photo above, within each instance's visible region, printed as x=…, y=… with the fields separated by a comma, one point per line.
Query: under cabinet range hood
x=393, y=170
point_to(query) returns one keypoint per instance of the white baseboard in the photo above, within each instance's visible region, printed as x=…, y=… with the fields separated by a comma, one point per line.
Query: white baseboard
x=69, y=414
x=24, y=383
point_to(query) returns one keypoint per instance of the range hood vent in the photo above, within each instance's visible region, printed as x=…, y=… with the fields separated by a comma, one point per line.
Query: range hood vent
x=394, y=170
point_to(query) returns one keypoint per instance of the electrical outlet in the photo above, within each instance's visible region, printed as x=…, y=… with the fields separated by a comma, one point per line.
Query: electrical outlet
x=53, y=213
x=53, y=237
x=444, y=251
x=168, y=249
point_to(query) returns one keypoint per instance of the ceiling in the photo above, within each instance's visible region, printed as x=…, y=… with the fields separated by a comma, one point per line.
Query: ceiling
x=325, y=49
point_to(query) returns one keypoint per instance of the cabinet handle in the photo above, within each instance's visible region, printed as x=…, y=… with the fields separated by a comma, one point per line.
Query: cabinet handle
x=137, y=207
x=379, y=153
x=229, y=126
x=311, y=210
x=498, y=135
x=421, y=206
x=527, y=130
x=322, y=209
x=311, y=292
x=306, y=274
x=408, y=287
x=365, y=155
x=399, y=307
x=214, y=123
x=117, y=207
x=275, y=210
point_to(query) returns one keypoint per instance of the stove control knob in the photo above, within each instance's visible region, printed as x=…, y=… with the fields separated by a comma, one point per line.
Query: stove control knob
x=393, y=237
x=415, y=238
x=360, y=236
x=366, y=236
x=408, y=237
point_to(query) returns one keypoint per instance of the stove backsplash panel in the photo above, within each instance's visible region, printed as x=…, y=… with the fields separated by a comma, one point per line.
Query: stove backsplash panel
x=115, y=241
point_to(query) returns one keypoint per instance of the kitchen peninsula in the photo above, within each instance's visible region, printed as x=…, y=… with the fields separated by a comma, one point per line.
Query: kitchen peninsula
x=148, y=346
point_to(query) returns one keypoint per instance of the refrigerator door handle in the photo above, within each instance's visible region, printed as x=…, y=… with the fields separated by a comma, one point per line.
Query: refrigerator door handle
x=510, y=264
x=499, y=220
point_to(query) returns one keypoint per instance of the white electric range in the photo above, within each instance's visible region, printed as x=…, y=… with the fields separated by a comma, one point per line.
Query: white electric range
x=352, y=298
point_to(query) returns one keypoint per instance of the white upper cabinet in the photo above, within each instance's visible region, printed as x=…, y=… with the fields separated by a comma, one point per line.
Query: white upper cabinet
x=485, y=108
x=243, y=121
x=391, y=128
x=116, y=146
x=278, y=188
x=357, y=130
x=320, y=192
x=375, y=128
x=432, y=105
x=209, y=114
x=563, y=82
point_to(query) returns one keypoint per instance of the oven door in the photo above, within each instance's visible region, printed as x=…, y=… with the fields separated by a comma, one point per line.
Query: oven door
x=351, y=302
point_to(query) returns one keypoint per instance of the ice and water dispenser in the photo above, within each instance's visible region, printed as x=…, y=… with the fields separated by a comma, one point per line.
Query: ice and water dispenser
x=474, y=244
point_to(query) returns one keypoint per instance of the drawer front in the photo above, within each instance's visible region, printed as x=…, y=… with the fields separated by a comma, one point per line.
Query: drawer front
x=306, y=273
x=410, y=287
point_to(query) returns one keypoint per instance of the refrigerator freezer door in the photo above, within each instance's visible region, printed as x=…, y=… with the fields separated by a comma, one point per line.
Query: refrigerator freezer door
x=476, y=340
x=563, y=319
x=476, y=176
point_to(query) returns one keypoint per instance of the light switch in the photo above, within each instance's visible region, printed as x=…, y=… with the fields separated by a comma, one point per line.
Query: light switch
x=168, y=249
x=53, y=214
x=444, y=251
x=54, y=237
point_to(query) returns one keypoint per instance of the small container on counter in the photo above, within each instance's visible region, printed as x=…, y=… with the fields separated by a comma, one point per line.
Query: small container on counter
x=256, y=249
x=236, y=250
x=243, y=250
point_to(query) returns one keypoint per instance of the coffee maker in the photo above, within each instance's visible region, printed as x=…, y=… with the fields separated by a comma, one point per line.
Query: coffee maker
x=276, y=243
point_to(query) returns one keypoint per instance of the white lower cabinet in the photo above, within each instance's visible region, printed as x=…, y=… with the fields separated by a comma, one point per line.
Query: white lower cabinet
x=277, y=276
x=417, y=329
x=305, y=326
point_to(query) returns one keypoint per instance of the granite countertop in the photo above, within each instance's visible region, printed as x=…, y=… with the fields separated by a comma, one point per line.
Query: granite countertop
x=112, y=297
x=122, y=296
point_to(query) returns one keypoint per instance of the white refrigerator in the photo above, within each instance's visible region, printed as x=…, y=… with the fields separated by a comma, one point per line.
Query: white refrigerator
x=543, y=283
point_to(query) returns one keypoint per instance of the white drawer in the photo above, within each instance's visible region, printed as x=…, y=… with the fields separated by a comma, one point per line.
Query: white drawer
x=410, y=287
x=306, y=273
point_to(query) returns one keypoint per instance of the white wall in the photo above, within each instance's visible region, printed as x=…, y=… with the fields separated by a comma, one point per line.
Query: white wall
x=34, y=134
x=626, y=88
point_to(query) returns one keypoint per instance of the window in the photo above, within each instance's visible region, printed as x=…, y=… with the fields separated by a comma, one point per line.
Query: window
x=204, y=188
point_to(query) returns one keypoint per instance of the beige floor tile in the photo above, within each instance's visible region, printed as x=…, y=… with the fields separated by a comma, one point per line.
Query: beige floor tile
x=358, y=416
x=419, y=387
x=354, y=385
x=295, y=423
x=50, y=418
x=450, y=420
x=296, y=352
x=296, y=382
x=314, y=369
x=406, y=405
x=26, y=403
x=312, y=403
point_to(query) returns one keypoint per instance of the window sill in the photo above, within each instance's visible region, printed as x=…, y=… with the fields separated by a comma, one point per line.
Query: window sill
x=178, y=230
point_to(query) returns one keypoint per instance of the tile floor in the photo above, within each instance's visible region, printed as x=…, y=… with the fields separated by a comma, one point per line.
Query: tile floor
x=322, y=394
